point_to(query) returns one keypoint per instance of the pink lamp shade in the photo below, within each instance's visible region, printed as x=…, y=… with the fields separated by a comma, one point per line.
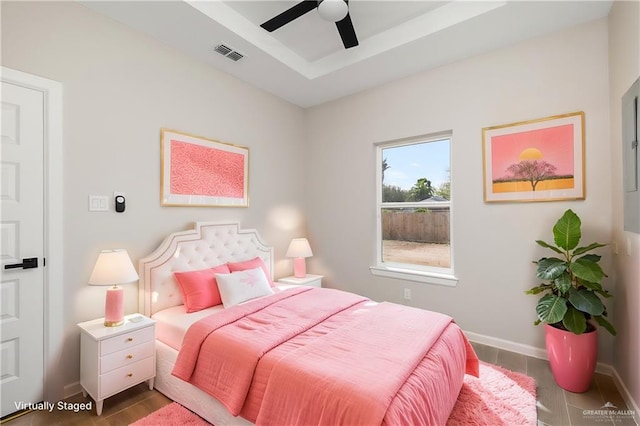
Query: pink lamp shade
x=113, y=267
x=299, y=249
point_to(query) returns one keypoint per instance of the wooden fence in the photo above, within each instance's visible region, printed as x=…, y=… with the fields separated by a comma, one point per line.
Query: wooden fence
x=422, y=227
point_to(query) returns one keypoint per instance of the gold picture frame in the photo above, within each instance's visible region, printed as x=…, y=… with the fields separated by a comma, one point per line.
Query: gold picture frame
x=535, y=160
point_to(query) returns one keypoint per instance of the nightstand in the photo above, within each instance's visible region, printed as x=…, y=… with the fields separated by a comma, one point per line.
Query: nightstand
x=113, y=359
x=309, y=280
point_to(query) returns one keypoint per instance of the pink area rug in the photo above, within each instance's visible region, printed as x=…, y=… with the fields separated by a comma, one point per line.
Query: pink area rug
x=498, y=398
x=169, y=415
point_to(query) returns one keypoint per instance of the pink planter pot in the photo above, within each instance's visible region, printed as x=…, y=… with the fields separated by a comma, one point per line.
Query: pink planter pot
x=572, y=357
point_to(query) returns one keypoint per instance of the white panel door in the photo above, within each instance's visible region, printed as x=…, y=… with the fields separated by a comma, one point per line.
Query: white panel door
x=21, y=236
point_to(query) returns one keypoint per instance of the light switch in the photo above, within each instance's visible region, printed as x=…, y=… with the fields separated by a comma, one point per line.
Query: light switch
x=98, y=203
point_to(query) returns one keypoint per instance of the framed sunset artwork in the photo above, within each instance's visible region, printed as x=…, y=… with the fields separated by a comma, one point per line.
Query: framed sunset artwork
x=197, y=171
x=536, y=160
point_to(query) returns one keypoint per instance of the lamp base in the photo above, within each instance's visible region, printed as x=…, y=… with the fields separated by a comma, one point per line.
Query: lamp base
x=299, y=267
x=114, y=307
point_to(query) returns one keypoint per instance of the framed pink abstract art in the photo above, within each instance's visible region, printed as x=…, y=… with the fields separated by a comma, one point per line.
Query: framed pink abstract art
x=196, y=171
x=536, y=160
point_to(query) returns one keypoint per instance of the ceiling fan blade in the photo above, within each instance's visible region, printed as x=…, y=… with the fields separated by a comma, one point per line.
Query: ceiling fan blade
x=289, y=15
x=347, y=33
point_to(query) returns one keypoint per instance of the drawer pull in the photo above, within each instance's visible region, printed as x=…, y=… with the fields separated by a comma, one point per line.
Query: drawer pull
x=130, y=339
x=130, y=375
x=129, y=356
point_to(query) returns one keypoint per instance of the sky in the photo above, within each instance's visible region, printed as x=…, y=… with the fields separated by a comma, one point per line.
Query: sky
x=409, y=163
x=554, y=144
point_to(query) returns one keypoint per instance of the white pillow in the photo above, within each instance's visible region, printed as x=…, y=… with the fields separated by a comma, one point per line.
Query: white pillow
x=241, y=286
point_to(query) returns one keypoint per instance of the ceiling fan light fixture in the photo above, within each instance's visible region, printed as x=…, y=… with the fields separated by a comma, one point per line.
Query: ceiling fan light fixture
x=333, y=10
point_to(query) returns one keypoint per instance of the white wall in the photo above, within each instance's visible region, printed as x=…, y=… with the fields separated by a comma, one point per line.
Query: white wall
x=120, y=88
x=624, y=66
x=493, y=243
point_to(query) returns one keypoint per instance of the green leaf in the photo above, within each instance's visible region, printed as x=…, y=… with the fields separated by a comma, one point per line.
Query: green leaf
x=590, y=285
x=585, y=249
x=551, y=308
x=604, y=293
x=596, y=287
x=606, y=324
x=537, y=322
x=591, y=257
x=566, y=232
x=563, y=282
x=549, y=246
x=550, y=268
x=587, y=270
x=538, y=289
x=586, y=301
x=575, y=321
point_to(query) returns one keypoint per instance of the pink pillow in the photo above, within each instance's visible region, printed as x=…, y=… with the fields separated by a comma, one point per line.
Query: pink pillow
x=256, y=262
x=199, y=288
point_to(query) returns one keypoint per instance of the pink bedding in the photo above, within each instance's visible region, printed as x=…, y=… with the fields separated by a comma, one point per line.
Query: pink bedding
x=320, y=356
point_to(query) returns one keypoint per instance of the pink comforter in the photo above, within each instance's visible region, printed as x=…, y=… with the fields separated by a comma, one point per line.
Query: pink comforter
x=320, y=356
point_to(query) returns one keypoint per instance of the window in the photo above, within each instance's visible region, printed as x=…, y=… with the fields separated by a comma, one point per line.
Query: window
x=413, y=209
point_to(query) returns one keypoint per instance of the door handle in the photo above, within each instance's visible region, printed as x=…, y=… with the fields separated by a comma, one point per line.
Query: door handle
x=28, y=263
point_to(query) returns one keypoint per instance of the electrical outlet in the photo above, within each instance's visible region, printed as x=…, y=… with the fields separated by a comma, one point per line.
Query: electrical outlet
x=407, y=294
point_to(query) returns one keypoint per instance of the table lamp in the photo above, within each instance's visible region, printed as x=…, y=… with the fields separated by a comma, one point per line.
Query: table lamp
x=299, y=249
x=113, y=267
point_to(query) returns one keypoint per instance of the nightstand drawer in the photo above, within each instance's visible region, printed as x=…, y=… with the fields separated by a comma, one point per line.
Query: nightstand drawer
x=126, y=376
x=125, y=341
x=126, y=357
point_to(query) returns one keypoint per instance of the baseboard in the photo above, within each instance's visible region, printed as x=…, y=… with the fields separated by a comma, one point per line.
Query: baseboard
x=507, y=345
x=72, y=389
x=541, y=353
x=626, y=395
x=523, y=349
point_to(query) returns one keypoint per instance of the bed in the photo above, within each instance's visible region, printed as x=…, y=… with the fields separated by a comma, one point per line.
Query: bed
x=296, y=372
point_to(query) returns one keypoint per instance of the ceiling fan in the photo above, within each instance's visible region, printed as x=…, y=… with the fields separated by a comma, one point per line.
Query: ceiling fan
x=330, y=10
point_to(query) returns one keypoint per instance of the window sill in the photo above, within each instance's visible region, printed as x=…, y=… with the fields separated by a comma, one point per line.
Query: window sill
x=411, y=275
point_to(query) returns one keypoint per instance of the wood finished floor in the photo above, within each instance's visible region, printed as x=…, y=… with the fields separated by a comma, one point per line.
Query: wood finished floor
x=556, y=407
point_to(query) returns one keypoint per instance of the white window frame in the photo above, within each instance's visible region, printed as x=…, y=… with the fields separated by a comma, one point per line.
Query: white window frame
x=405, y=271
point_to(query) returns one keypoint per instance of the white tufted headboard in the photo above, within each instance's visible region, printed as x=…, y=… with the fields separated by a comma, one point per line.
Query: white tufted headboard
x=206, y=246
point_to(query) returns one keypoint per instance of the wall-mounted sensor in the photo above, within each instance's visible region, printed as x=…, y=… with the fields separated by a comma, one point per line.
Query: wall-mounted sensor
x=120, y=203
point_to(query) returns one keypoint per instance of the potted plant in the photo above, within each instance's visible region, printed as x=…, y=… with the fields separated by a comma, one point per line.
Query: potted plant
x=571, y=288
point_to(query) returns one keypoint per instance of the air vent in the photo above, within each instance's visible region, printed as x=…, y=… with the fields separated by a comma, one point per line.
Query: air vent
x=228, y=52
x=235, y=56
x=223, y=50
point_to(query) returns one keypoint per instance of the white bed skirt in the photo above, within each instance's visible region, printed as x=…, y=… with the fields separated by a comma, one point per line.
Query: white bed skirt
x=188, y=395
